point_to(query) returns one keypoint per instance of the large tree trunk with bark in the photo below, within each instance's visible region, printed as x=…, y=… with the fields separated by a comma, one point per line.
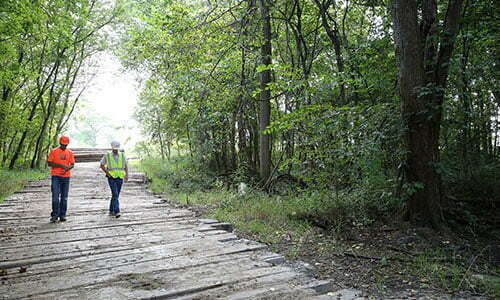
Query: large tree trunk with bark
x=265, y=95
x=423, y=55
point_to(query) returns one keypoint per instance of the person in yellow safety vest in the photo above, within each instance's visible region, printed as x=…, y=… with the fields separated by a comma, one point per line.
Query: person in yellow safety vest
x=114, y=164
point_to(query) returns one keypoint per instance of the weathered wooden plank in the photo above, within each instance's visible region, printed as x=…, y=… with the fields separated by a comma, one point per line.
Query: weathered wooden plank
x=91, y=216
x=172, y=265
x=105, y=259
x=153, y=252
x=19, y=247
x=173, y=233
x=165, y=283
x=250, y=289
x=134, y=255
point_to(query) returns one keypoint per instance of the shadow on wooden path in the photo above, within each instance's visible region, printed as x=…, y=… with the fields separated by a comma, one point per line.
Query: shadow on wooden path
x=153, y=251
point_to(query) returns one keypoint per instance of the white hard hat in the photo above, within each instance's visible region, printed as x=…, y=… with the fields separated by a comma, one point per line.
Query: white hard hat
x=115, y=145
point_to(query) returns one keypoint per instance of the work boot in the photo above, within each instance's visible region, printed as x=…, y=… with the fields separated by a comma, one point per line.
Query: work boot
x=53, y=219
x=62, y=219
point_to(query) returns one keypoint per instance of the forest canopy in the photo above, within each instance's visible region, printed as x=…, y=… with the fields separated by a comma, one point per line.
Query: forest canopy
x=389, y=105
x=46, y=63
x=378, y=107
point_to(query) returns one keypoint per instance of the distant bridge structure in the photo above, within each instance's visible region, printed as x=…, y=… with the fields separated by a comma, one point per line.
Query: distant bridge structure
x=89, y=154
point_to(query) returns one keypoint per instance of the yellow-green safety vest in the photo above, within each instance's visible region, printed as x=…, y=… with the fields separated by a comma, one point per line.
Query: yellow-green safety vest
x=116, y=169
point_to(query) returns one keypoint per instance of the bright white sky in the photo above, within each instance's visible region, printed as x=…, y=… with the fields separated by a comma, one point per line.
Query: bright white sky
x=113, y=90
x=113, y=93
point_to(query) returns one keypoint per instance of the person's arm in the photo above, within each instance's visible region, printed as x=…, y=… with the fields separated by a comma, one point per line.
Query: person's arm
x=103, y=166
x=126, y=167
x=56, y=165
x=65, y=167
x=69, y=167
x=71, y=162
x=126, y=173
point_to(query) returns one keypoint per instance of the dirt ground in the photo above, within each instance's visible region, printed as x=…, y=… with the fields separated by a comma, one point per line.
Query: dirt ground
x=397, y=261
x=392, y=262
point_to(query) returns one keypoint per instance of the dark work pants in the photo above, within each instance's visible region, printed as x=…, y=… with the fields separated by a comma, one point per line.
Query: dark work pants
x=115, y=184
x=60, y=189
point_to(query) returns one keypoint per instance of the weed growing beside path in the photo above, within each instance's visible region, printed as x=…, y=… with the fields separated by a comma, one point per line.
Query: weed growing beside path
x=13, y=180
x=384, y=258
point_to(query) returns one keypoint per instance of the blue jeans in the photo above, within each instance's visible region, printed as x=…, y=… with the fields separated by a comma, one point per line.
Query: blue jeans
x=116, y=185
x=60, y=189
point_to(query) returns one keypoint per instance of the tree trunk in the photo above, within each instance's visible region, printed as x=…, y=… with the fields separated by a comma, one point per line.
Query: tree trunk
x=46, y=146
x=41, y=91
x=232, y=142
x=162, y=151
x=254, y=143
x=465, y=100
x=333, y=35
x=48, y=114
x=23, y=136
x=169, y=150
x=265, y=95
x=8, y=150
x=189, y=141
x=224, y=166
x=423, y=72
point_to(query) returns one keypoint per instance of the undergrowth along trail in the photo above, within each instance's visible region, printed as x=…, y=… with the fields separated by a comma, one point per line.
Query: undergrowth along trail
x=383, y=257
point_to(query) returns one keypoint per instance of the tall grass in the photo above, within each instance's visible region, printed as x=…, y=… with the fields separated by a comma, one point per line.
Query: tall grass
x=13, y=180
x=266, y=215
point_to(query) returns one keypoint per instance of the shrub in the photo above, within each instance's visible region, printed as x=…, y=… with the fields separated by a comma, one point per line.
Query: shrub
x=181, y=173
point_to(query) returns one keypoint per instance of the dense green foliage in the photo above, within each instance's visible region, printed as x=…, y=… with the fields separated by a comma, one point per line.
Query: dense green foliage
x=251, y=211
x=336, y=126
x=46, y=50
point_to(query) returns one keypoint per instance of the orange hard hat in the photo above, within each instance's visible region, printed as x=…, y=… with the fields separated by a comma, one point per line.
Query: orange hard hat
x=64, y=140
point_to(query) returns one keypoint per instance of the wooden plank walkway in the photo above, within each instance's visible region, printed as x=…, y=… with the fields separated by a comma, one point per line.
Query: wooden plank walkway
x=154, y=251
